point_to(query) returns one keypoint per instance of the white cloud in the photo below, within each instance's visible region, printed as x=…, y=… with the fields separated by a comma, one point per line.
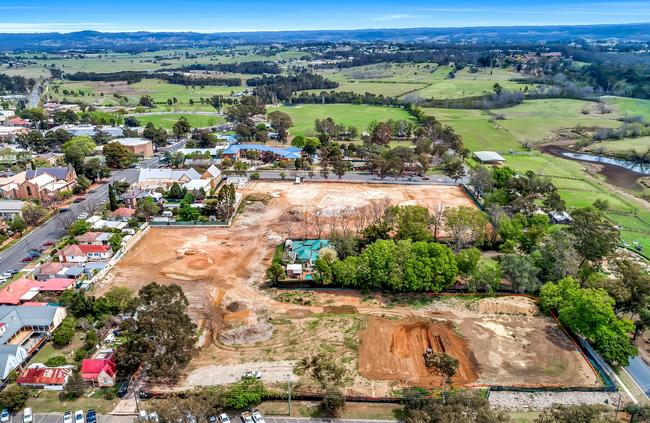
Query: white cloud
x=396, y=16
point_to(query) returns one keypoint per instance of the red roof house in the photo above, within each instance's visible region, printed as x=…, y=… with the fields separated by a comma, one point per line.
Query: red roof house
x=98, y=372
x=122, y=213
x=83, y=253
x=23, y=290
x=18, y=121
x=52, y=378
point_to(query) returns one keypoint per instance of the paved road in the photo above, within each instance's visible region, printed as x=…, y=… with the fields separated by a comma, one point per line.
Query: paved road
x=58, y=418
x=11, y=258
x=360, y=177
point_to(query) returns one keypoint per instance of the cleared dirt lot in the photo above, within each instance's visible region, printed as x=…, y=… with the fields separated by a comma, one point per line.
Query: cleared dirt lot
x=501, y=341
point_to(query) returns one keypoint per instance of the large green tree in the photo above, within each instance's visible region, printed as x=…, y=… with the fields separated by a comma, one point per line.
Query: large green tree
x=163, y=337
x=118, y=156
x=596, y=237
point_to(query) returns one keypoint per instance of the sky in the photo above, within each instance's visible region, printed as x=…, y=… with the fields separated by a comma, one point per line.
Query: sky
x=279, y=15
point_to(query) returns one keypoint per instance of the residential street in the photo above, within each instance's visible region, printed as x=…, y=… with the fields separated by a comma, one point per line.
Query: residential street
x=11, y=258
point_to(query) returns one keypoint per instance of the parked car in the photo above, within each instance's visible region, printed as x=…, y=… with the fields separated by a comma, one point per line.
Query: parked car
x=79, y=416
x=27, y=259
x=154, y=417
x=212, y=419
x=144, y=394
x=246, y=417
x=28, y=417
x=79, y=199
x=91, y=416
x=257, y=417
x=123, y=389
x=63, y=209
x=82, y=216
x=4, y=417
x=3, y=279
x=253, y=374
x=67, y=417
x=48, y=243
x=223, y=418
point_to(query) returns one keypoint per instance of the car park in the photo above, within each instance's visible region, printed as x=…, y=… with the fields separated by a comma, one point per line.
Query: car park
x=79, y=416
x=67, y=417
x=28, y=417
x=257, y=417
x=4, y=416
x=223, y=418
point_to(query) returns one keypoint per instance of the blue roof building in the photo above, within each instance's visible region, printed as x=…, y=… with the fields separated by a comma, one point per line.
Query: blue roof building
x=235, y=150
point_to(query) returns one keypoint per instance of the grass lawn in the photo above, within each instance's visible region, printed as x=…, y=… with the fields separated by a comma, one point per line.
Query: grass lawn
x=51, y=350
x=360, y=116
x=44, y=401
x=353, y=410
x=640, y=145
x=168, y=120
x=389, y=89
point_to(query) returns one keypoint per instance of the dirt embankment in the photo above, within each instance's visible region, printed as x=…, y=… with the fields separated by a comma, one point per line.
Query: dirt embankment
x=394, y=350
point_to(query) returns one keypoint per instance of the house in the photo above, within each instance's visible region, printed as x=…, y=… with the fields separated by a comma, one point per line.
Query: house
x=121, y=214
x=304, y=251
x=53, y=269
x=489, y=157
x=165, y=177
x=198, y=186
x=22, y=290
x=237, y=151
x=83, y=253
x=41, y=184
x=18, y=122
x=23, y=329
x=9, y=133
x=94, y=238
x=130, y=198
x=100, y=370
x=140, y=147
x=98, y=223
x=212, y=172
x=49, y=378
x=11, y=208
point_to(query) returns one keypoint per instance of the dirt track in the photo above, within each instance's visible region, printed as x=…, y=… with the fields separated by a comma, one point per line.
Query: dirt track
x=220, y=270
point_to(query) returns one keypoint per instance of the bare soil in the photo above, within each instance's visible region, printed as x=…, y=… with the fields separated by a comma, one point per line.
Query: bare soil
x=502, y=341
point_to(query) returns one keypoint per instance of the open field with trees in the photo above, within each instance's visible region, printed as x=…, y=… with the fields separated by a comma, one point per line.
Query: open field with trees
x=167, y=121
x=359, y=116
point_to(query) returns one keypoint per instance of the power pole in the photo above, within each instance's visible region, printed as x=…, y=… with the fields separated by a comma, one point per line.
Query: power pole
x=289, y=391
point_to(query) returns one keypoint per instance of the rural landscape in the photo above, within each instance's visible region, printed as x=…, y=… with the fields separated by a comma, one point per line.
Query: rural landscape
x=401, y=224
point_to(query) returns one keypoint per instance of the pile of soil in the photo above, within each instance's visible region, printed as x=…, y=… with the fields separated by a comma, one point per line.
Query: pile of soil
x=247, y=334
x=507, y=305
x=394, y=350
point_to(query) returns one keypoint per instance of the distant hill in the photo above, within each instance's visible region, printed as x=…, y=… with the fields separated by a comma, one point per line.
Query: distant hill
x=136, y=41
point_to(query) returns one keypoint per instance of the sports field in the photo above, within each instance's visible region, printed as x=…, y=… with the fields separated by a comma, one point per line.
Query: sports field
x=360, y=116
x=168, y=120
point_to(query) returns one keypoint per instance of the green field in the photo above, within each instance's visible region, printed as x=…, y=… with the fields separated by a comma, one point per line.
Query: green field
x=160, y=90
x=640, y=145
x=476, y=129
x=155, y=60
x=630, y=106
x=360, y=116
x=535, y=120
x=426, y=80
x=168, y=120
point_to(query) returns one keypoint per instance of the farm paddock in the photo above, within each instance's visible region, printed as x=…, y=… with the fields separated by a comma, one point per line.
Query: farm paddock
x=379, y=338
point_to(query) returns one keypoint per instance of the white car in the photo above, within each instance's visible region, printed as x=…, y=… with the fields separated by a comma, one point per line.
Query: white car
x=28, y=417
x=67, y=417
x=82, y=216
x=79, y=417
x=223, y=418
x=4, y=417
x=257, y=416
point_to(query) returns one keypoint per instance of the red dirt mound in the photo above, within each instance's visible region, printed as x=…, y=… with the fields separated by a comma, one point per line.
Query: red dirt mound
x=394, y=350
